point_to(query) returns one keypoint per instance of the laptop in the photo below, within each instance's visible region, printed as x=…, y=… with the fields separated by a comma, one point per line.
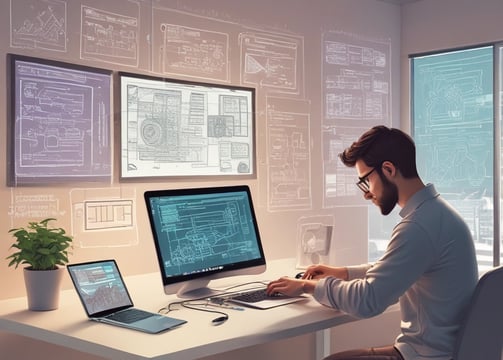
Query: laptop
x=106, y=299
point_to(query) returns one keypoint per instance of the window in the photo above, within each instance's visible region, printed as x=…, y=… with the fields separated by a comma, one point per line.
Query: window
x=454, y=125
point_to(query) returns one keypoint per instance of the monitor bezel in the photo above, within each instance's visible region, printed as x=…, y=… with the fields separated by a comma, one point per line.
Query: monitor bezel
x=196, y=284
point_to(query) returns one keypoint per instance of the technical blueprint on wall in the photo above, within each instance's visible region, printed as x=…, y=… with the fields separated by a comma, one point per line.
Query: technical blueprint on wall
x=62, y=121
x=179, y=129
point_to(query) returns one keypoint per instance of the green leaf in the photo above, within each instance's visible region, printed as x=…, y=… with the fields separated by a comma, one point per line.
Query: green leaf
x=39, y=245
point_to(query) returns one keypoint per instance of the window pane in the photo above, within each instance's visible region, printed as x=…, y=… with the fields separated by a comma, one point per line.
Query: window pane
x=452, y=116
x=380, y=229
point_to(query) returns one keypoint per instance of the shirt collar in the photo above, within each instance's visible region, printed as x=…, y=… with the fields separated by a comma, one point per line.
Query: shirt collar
x=427, y=193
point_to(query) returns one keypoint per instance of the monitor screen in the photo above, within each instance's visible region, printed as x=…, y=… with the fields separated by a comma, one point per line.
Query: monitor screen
x=201, y=234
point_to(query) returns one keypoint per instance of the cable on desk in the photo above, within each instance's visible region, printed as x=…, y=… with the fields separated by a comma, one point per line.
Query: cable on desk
x=262, y=283
x=199, y=306
x=216, y=300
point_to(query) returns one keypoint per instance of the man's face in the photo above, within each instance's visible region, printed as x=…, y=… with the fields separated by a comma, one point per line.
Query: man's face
x=381, y=191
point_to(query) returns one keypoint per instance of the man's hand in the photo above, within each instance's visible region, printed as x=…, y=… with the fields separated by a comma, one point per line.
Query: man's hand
x=320, y=271
x=286, y=286
x=305, y=285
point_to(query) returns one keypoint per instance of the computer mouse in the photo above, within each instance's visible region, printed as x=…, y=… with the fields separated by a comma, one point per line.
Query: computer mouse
x=299, y=275
x=219, y=320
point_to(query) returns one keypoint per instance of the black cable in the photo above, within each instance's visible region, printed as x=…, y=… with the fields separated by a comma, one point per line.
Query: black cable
x=193, y=307
x=214, y=300
x=190, y=305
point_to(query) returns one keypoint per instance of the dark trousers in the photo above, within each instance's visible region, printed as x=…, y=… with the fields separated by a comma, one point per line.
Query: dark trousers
x=380, y=353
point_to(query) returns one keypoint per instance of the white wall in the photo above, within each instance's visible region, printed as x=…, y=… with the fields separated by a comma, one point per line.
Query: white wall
x=364, y=20
x=360, y=20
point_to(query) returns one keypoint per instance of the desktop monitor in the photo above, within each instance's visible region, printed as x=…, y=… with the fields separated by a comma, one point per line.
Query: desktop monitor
x=202, y=234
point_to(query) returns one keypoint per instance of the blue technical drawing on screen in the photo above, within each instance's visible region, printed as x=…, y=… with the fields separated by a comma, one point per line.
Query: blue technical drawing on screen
x=199, y=233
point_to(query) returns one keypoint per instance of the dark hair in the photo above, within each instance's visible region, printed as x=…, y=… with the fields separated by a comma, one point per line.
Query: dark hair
x=380, y=144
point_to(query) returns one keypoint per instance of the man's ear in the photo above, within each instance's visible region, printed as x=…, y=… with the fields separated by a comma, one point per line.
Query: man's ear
x=388, y=169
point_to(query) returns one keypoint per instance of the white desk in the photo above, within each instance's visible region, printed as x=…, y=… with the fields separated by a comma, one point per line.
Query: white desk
x=68, y=326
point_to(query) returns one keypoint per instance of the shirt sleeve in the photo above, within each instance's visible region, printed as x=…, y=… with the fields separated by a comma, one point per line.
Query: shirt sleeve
x=358, y=271
x=372, y=288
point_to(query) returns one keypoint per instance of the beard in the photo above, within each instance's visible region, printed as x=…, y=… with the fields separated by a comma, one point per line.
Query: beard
x=389, y=196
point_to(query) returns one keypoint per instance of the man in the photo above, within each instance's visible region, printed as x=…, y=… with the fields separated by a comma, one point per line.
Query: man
x=429, y=265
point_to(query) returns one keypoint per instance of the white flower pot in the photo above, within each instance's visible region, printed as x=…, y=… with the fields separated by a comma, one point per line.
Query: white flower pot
x=43, y=288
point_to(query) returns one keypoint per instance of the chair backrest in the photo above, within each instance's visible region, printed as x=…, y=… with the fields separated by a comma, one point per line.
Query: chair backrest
x=481, y=335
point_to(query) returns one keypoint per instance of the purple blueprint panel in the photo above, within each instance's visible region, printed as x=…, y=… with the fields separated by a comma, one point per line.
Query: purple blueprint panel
x=62, y=122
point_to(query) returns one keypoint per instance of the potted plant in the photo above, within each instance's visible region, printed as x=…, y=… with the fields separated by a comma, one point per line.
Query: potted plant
x=44, y=250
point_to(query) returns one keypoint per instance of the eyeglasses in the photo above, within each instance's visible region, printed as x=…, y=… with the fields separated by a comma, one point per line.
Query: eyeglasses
x=363, y=183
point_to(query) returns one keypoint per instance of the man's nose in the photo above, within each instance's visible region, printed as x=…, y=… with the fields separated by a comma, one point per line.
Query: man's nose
x=368, y=195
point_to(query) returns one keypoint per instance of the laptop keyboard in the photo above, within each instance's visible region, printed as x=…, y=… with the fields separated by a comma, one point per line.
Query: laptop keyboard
x=130, y=315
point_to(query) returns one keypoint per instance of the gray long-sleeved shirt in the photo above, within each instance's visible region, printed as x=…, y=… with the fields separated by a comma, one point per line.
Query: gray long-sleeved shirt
x=429, y=267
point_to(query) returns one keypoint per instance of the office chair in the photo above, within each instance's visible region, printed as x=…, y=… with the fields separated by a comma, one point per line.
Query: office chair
x=481, y=335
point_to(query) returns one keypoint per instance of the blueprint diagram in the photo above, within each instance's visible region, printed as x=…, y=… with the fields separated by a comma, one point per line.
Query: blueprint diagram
x=339, y=180
x=453, y=121
x=191, y=51
x=212, y=231
x=62, y=122
x=179, y=129
x=356, y=74
x=110, y=36
x=104, y=217
x=271, y=61
x=27, y=203
x=288, y=153
x=39, y=25
x=356, y=79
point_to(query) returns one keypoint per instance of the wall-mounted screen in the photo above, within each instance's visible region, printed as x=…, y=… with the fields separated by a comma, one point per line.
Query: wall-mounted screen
x=59, y=122
x=177, y=128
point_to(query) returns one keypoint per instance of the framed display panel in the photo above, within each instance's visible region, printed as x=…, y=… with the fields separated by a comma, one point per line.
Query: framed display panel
x=185, y=129
x=59, y=122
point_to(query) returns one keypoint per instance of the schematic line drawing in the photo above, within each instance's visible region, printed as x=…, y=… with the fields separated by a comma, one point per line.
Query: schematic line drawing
x=61, y=127
x=185, y=129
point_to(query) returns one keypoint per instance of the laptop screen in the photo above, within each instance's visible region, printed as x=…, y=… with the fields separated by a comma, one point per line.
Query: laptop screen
x=100, y=286
x=204, y=233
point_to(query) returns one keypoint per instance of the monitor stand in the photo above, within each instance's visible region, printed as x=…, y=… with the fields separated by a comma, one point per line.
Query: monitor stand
x=197, y=289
